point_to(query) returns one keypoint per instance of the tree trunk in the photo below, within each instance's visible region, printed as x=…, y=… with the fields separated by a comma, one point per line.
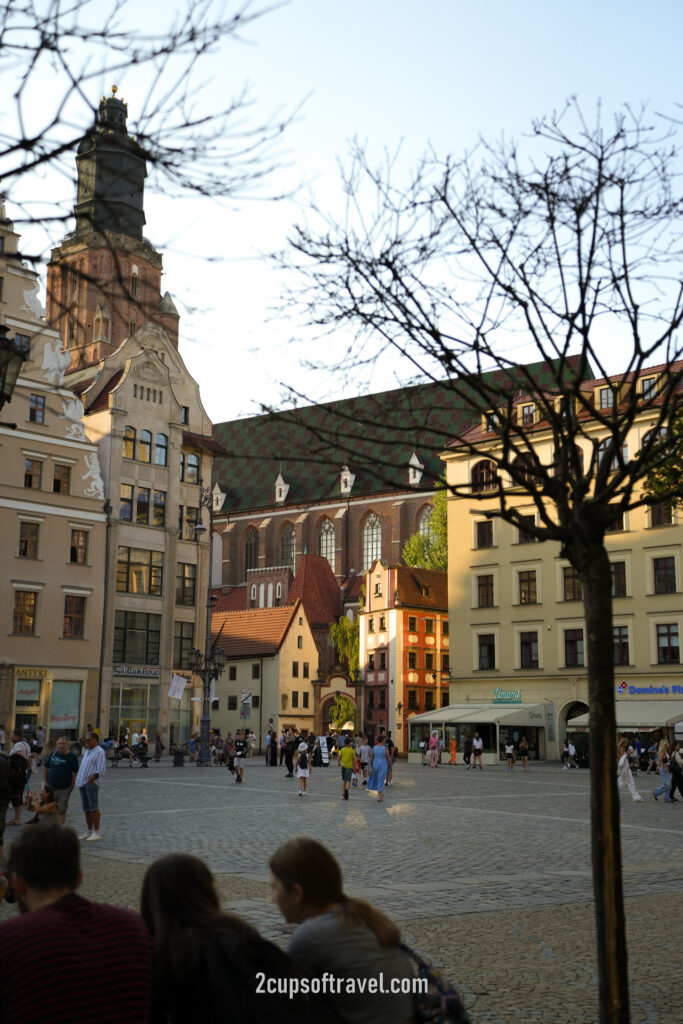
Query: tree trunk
x=595, y=575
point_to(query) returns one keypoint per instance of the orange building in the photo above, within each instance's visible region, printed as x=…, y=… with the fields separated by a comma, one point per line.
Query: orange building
x=404, y=656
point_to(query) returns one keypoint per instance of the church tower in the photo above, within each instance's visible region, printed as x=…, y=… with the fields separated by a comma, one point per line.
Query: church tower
x=104, y=279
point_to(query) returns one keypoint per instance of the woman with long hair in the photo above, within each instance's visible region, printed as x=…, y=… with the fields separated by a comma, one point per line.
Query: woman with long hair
x=380, y=767
x=663, y=765
x=339, y=935
x=202, y=953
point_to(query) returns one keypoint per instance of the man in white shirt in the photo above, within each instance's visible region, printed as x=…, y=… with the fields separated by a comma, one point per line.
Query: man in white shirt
x=572, y=756
x=88, y=781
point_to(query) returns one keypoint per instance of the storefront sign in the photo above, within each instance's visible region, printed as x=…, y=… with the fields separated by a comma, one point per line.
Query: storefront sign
x=623, y=690
x=28, y=691
x=507, y=696
x=136, y=670
x=65, y=705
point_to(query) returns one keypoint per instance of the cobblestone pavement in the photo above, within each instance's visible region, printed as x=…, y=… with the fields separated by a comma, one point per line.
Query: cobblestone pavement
x=487, y=872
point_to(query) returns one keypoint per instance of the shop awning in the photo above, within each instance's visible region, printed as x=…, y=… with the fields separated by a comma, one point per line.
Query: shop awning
x=638, y=714
x=502, y=714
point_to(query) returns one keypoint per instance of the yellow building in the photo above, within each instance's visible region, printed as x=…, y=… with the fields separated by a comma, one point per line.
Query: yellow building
x=52, y=524
x=271, y=668
x=515, y=606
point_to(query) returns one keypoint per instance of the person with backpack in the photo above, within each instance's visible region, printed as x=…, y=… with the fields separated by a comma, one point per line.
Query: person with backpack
x=303, y=766
x=340, y=936
x=202, y=953
x=19, y=773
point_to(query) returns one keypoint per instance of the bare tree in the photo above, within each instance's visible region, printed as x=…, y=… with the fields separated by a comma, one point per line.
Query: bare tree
x=549, y=251
x=55, y=57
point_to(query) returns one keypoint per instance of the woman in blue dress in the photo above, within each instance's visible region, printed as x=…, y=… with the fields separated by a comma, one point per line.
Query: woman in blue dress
x=380, y=767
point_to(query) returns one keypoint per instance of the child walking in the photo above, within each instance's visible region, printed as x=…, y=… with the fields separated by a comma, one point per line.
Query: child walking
x=303, y=767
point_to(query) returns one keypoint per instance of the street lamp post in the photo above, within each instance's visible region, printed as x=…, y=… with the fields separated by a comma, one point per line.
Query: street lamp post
x=211, y=664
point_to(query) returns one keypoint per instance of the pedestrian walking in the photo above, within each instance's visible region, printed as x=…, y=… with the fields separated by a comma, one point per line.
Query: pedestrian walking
x=676, y=770
x=59, y=771
x=510, y=755
x=290, y=750
x=88, y=780
x=524, y=753
x=303, y=767
x=241, y=747
x=380, y=767
x=365, y=754
x=467, y=752
x=158, y=747
x=664, y=773
x=434, y=750
x=454, y=748
x=20, y=757
x=283, y=744
x=477, y=751
x=624, y=773
x=347, y=759
x=571, y=755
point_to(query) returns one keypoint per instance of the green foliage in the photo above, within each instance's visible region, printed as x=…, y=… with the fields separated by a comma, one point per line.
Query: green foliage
x=664, y=481
x=345, y=635
x=430, y=551
x=342, y=710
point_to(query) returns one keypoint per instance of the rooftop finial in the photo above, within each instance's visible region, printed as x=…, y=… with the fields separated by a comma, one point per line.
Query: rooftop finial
x=114, y=90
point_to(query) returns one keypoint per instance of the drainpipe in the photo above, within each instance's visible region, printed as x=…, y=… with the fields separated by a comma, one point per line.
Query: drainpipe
x=108, y=509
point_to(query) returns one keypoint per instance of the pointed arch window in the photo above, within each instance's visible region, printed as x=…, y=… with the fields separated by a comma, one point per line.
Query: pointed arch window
x=129, y=443
x=372, y=540
x=424, y=523
x=327, y=542
x=251, y=549
x=287, y=546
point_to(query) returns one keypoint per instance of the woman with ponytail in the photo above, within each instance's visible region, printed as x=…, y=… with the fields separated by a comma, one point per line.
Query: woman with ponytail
x=340, y=936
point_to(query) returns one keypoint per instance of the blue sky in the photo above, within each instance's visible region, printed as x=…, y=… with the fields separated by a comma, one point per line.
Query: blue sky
x=439, y=72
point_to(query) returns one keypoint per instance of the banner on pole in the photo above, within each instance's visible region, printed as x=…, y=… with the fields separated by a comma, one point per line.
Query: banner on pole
x=177, y=687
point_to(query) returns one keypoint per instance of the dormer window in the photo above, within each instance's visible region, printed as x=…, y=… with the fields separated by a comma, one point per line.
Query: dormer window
x=605, y=398
x=648, y=387
x=527, y=415
x=347, y=479
x=492, y=422
x=415, y=468
x=281, y=490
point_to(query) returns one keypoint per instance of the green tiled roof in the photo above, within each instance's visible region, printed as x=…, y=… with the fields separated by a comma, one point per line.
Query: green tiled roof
x=375, y=435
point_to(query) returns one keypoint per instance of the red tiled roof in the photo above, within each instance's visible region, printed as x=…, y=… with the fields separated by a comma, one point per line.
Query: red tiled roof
x=102, y=400
x=82, y=385
x=410, y=584
x=254, y=632
x=318, y=590
x=209, y=444
x=352, y=586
